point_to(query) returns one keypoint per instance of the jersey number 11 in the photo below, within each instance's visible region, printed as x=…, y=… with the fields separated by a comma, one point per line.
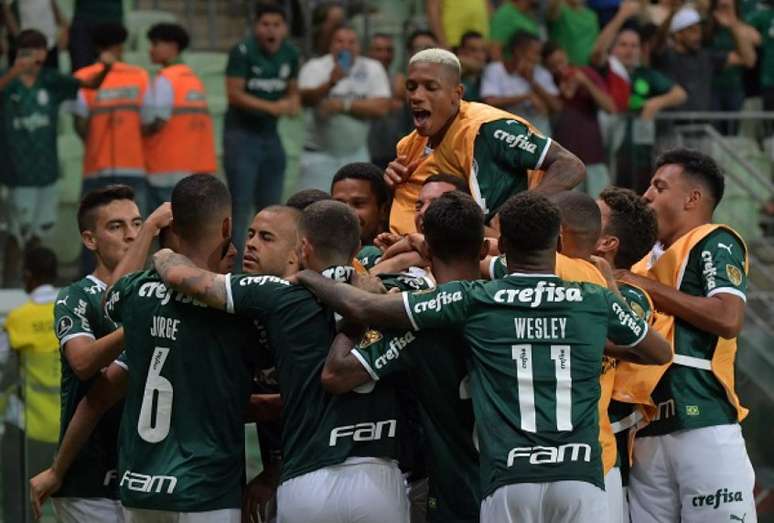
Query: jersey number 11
x=560, y=354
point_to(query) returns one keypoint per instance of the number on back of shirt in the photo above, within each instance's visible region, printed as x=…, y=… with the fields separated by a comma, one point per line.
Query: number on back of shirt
x=156, y=409
x=560, y=355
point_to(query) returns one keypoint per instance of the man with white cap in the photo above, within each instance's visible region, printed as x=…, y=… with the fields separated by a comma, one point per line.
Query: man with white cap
x=691, y=64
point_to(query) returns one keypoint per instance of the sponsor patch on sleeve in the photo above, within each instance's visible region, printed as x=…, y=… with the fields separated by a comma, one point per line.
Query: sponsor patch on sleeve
x=734, y=274
x=63, y=326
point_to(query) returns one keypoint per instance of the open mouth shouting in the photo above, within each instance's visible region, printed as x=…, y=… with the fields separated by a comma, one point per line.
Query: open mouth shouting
x=421, y=119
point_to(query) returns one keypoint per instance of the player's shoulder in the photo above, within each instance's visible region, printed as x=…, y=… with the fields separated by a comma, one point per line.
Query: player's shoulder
x=722, y=239
x=404, y=281
x=637, y=299
x=265, y=282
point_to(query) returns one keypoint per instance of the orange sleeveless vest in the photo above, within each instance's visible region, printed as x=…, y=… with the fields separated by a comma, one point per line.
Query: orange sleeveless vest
x=186, y=143
x=453, y=156
x=114, y=139
x=637, y=381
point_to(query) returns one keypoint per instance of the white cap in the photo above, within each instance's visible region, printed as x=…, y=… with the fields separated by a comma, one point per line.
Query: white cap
x=685, y=17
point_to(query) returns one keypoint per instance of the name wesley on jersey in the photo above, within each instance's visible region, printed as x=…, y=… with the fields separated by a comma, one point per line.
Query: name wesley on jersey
x=541, y=328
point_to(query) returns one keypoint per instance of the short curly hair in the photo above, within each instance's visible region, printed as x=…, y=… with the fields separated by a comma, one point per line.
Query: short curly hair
x=632, y=222
x=529, y=222
x=698, y=166
x=454, y=227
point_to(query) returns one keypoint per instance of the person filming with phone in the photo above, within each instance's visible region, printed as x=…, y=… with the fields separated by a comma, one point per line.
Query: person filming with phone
x=341, y=92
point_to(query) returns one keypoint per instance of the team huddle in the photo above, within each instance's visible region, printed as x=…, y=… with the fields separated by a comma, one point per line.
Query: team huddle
x=499, y=355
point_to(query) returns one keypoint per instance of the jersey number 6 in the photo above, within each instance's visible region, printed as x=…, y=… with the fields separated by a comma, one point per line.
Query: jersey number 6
x=156, y=410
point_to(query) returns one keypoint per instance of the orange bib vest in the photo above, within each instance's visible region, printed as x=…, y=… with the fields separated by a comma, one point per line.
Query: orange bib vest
x=114, y=139
x=185, y=145
x=453, y=156
x=637, y=381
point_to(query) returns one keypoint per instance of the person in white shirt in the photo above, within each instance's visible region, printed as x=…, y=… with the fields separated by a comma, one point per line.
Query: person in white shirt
x=342, y=92
x=519, y=84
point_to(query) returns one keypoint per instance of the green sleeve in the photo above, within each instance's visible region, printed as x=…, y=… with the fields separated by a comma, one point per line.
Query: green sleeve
x=723, y=265
x=637, y=301
x=498, y=268
x=380, y=352
x=253, y=296
x=513, y=145
x=406, y=282
x=74, y=315
x=115, y=297
x=237, y=66
x=369, y=256
x=660, y=83
x=623, y=326
x=63, y=86
x=444, y=306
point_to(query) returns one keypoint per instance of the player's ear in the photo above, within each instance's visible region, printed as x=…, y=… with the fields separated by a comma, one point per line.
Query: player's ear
x=89, y=241
x=607, y=244
x=225, y=228
x=693, y=198
x=484, y=249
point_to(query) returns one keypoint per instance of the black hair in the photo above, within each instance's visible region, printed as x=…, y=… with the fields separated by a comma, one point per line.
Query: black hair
x=108, y=34
x=416, y=34
x=367, y=172
x=31, y=39
x=41, y=263
x=468, y=35
x=549, y=48
x=97, y=198
x=458, y=183
x=632, y=222
x=332, y=228
x=581, y=217
x=698, y=166
x=304, y=198
x=454, y=227
x=196, y=199
x=520, y=40
x=381, y=35
x=529, y=222
x=170, y=33
x=262, y=9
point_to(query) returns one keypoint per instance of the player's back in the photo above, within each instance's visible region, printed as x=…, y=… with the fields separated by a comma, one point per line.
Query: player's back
x=181, y=445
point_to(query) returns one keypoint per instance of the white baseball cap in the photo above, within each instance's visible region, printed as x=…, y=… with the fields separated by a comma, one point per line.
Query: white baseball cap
x=685, y=17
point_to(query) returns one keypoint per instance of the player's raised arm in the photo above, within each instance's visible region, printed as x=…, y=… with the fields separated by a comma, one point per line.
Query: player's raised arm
x=652, y=350
x=563, y=170
x=629, y=337
x=343, y=371
x=184, y=276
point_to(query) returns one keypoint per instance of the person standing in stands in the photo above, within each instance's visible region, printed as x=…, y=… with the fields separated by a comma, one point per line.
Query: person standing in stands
x=87, y=16
x=261, y=87
x=108, y=120
x=179, y=139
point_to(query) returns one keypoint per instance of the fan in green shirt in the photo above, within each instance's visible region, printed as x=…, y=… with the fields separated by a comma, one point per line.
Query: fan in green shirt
x=510, y=18
x=574, y=27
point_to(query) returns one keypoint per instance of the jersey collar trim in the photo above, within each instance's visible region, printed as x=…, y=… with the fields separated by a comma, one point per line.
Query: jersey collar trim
x=97, y=281
x=532, y=275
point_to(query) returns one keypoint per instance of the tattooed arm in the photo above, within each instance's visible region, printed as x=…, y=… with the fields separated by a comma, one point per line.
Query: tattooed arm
x=180, y=273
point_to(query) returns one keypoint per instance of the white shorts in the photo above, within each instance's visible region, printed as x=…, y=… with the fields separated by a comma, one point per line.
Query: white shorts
x=556, y=502
x=700, y=475
x=616, y=505
x=32, y=211
x=87, y=510
x=360, y=490
x=136, y=515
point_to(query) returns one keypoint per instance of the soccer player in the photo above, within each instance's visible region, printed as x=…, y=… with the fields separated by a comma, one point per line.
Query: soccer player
x=690, y=462
x=362, y=187
x=436, y=362
x=338, y=451
x=491, y=149
x=112, y=228
x=536, y=343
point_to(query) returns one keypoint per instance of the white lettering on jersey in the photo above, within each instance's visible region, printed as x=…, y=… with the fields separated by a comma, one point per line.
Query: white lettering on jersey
x=145, y=483
x=709, y=271
x=627, y=320
x=542, y=455
x=162, y=327
x=441, y=299
x=110, y=475
x=367, y=431
x=261, y=280
x=666, y=410
x=157, y=289
x=542, y=292
x=541, y=328
x=520, y=140
x=396, y=345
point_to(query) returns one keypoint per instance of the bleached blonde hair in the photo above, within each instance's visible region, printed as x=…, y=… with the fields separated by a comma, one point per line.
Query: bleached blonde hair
x=438, y=56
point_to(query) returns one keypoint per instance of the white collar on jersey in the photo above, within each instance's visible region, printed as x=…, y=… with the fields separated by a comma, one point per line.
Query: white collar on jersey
x=532, y=275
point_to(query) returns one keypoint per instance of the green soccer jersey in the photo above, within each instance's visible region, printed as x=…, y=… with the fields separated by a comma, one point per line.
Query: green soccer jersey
x=78, y=313
x=30, y=117
x=266, y=77
x=504, y=151
x=369, y=255
x=688, y=397
x=537, y=344
x=182, y=432
x=319, y=430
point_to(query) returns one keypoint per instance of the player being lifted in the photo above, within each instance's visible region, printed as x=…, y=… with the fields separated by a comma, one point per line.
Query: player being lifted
x=690, y=463
x=536, y=344
x=338, y=451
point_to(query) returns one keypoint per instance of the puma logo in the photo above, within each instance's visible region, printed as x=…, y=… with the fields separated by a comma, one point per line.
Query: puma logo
x=62, y=302
x=734, y=517
x=726, y=247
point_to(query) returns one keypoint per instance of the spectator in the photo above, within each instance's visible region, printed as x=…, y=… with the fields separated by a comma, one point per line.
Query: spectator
x=362, y=187
x=763, y=21
x=660, y=11
x=473, y=56
x=693, y=65
x=513, y=16
x=179, y=138
x=261, y=81
x=420, y=40
x=28, y=342
x=43, y=15
x=342, y=92
x=605, y=9
x=583, y=93
x=450, y=19
x=574, y=27
x=385, y=132
x=109, y=122
x=31, y=96
x=87, y=16
x=326, y=17
x=520, y=85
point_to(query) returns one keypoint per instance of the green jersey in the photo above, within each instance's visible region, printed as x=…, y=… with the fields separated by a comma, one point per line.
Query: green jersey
x=537, y=344
x=689, y=397
x=182, y=432
x=437, y=366
x=266, y=77
x=763, y=21
x=30, y=119
x=319, y=430
x=504, y=152
x=369, y=255
x=78, y=313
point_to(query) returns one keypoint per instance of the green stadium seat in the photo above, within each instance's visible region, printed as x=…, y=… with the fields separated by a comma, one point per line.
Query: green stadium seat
x=70, y=149
x=139, y=21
